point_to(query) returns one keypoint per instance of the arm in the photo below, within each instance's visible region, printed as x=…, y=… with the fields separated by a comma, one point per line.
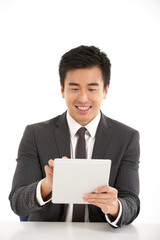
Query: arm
x=127, y=181
x=27, y=175
x=29, y=172
x=126, y=187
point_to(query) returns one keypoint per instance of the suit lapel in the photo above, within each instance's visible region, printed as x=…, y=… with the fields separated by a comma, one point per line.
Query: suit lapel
x=62, y=136
x=103, y=135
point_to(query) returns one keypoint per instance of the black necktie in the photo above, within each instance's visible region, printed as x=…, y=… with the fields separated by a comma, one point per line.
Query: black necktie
x=79, y=209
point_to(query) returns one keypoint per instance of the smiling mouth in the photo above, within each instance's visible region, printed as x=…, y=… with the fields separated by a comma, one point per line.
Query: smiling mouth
x=83, y=108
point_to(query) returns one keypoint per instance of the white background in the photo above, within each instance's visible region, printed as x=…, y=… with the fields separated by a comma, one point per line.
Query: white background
x=34, y=34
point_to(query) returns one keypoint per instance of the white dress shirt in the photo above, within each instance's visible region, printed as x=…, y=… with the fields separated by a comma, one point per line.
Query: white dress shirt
x=90, y=140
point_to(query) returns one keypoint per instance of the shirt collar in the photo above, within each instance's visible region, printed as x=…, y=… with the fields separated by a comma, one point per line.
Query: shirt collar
x=91, y=127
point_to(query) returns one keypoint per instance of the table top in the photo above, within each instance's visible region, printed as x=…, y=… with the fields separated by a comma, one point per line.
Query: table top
x=76, y=231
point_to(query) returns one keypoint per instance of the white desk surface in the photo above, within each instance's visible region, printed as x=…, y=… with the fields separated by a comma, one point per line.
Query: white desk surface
x=76, y=231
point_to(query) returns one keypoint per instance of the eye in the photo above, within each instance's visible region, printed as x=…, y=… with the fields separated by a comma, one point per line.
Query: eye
x=74, y=89
x=92, y=89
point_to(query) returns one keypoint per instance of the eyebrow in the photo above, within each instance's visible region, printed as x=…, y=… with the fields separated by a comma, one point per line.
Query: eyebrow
x=90, y=84
x=73, y=84
x=93, y=84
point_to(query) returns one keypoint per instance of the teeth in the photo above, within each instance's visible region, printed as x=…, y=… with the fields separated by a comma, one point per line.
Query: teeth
x=83, y=108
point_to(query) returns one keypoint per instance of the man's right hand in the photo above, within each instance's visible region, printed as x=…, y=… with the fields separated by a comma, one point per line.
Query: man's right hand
x=46, y=185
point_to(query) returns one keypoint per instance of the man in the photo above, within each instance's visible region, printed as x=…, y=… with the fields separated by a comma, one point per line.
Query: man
x=85, y=77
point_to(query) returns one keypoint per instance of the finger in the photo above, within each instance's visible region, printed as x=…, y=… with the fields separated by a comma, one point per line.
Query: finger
x=97, y=196
x=102, y=189
x=106, y=189
x=48, y=170
x=65, y=157
x=106, y=202
x=51, y=163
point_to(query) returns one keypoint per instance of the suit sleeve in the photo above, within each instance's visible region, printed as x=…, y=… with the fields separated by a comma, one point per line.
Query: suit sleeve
x=27, y=175
x=127, y=181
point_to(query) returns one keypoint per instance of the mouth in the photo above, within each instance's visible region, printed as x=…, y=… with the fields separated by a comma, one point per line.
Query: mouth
x=83, y=108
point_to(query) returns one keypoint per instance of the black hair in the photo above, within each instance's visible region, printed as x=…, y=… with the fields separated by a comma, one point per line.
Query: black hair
x=85, y=57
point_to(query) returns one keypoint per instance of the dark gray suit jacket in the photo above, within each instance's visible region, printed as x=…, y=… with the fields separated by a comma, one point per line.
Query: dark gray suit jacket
x=50, y=140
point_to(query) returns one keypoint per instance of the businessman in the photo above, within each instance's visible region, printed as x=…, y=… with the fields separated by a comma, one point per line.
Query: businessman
x=84, y=77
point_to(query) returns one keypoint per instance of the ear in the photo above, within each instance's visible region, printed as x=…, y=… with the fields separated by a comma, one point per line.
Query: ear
x=62, y=91
x=105, y=92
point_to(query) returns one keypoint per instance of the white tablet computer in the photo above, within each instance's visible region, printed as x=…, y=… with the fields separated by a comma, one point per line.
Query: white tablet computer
x=72, y=178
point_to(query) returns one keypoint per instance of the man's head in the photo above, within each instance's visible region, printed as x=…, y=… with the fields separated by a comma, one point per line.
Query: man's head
x=84, y=75
x=85, y=57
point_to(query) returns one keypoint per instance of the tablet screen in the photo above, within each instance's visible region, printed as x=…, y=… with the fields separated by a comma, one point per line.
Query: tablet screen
x=72, y=178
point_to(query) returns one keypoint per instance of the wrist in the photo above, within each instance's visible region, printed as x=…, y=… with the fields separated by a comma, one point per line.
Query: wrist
x=115, y=211
x=46, y=190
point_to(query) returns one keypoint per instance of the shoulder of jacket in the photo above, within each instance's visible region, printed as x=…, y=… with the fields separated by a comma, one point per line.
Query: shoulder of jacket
x=118, y=125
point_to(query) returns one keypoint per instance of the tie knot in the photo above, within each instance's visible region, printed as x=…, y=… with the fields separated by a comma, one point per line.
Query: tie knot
x=81, y=131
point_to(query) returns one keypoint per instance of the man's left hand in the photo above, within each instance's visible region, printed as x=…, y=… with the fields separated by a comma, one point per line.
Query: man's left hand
x=105, y=198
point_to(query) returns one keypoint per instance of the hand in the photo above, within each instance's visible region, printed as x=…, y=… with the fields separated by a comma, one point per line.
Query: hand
x=105, y=198
x=46, y=185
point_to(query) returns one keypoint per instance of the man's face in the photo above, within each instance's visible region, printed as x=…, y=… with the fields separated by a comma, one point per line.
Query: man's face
x=84, y=92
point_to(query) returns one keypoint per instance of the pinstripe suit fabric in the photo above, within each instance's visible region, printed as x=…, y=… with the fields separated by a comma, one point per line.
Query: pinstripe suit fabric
x=51, y=139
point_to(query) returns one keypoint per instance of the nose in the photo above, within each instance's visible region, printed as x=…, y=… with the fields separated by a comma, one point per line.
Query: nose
x=83, y=97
